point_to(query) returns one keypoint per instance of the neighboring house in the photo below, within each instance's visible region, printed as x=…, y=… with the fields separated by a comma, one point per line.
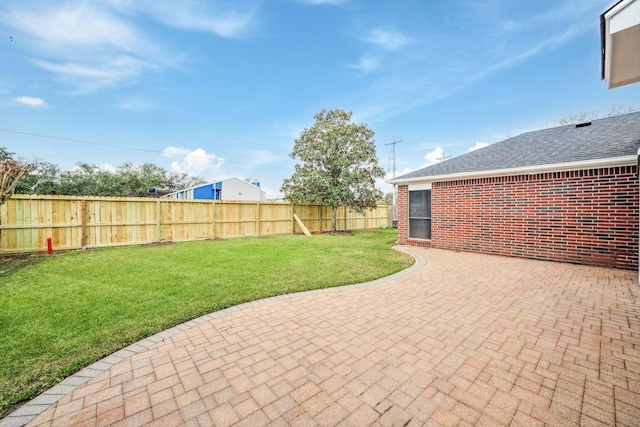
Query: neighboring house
x=567, y=194
x=226, y=189
x=620, y=43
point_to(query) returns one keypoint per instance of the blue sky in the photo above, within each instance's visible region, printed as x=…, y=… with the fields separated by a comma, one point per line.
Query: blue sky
x=222, y=88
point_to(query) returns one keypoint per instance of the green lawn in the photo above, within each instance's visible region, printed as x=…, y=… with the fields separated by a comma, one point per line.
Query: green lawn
x=64, y=312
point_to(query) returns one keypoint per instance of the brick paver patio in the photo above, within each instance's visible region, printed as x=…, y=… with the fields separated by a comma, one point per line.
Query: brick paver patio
x=465, y=339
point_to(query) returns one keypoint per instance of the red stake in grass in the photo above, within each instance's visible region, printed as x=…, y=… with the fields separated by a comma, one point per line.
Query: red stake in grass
x=49, y=246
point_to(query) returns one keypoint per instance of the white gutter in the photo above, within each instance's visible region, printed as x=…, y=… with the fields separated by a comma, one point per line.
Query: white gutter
x=525, y=170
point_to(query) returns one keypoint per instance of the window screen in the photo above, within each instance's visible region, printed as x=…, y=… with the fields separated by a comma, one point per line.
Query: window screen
x=420, y=214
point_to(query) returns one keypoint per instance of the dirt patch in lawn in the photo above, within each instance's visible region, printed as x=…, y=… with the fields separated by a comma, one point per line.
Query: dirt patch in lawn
x=163, y=243
x=9, y=264
x=339, y=233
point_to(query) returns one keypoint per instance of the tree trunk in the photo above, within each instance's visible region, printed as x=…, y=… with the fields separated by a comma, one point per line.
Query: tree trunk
x=334, y=218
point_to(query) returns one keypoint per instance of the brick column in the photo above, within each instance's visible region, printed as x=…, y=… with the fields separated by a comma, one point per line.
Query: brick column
x=403, y=214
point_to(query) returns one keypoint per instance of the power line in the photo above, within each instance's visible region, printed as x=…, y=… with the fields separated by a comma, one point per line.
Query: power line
x=393, y=144
x=82, y=141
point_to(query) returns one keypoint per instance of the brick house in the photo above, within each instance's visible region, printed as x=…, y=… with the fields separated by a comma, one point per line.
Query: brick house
x=568, y=194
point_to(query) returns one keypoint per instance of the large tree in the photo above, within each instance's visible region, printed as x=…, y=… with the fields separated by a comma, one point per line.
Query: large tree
x=87, y=179
x=43, y=179
x=137, y=179
x=338, y=165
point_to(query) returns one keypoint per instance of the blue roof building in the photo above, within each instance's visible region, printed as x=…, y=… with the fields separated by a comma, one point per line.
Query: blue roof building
x=226, y=189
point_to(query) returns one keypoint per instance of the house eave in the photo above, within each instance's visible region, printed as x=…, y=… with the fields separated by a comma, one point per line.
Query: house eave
x=616, y=8
x=525, y=170
x=619, y=60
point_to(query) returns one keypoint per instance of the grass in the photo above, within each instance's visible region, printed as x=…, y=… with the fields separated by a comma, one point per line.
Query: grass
x=64, y=312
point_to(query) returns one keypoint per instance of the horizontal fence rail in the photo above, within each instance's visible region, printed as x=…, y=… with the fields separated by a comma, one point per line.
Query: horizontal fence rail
x=27, y=221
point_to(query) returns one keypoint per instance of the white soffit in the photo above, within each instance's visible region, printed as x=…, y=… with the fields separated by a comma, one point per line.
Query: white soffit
x=625, y=15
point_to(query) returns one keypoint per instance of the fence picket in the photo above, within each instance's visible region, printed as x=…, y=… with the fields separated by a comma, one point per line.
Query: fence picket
x=75, y=222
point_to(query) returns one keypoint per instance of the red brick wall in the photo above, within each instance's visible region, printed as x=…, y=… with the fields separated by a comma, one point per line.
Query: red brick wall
x=403, y=214
x=587, y=217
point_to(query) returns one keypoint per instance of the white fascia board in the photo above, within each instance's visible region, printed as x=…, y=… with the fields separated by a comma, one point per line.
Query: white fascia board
x=555, y=167
x=617, y=8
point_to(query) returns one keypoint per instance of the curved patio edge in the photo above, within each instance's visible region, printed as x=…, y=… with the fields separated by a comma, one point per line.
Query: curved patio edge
x=34, y=407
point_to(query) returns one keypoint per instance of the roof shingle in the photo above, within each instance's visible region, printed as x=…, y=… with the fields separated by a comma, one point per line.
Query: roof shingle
x=610, y=137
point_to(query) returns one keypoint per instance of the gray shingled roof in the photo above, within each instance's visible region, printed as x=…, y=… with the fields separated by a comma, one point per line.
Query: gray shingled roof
x=610, y=137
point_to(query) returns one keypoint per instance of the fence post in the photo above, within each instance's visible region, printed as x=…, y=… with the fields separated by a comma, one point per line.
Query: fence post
x=345, y=217
x=366, y=223
x=159, y=213
x=215, y=218
x=258, y=219
x=293, y=210
x=83, y=222
x=212, y=215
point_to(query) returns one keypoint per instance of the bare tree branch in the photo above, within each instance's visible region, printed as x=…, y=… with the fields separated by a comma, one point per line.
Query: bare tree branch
x=10, y=173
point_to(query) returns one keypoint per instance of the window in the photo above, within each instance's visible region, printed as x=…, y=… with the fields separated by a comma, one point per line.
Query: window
x=420, y=214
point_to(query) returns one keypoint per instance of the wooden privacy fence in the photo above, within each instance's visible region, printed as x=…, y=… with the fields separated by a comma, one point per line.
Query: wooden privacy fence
x=26, y=221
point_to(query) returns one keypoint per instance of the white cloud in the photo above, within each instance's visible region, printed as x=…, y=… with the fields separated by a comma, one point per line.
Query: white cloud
x=405, y=171
x=383, y=185
x=193, y=15
x=92, y=45
x=389, y=40
x=76, y=169
x=478, y=146
x=30, y=101
x=85, y=45
x=105, y=73
x=434, y=157
x=367, y=64
x=106, y=167
x=65, y=27
x=195, y=162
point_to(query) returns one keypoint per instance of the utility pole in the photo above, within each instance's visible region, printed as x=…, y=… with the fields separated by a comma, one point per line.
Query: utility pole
x=393, y=145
